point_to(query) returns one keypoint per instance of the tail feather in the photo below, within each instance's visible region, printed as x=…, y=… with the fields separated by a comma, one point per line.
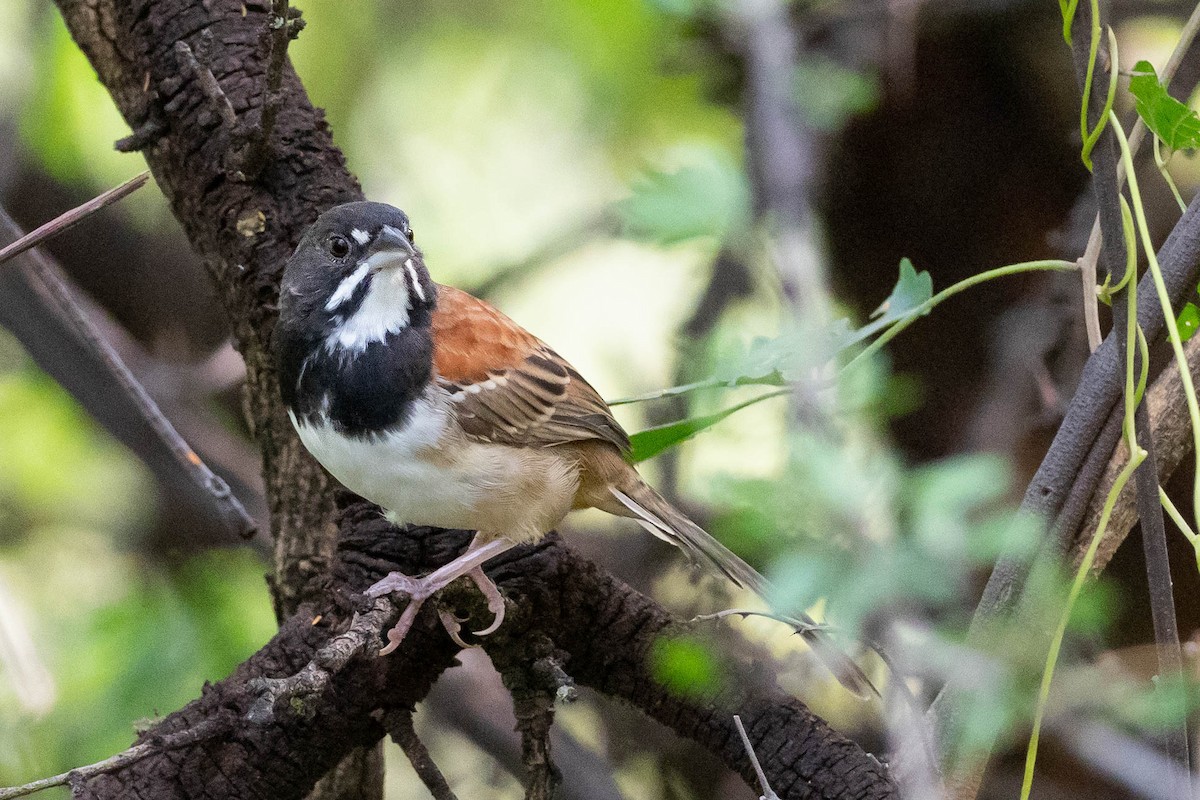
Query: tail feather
x=660, y=518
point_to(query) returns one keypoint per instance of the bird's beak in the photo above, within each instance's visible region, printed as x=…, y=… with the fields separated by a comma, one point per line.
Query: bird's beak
x=389, y=248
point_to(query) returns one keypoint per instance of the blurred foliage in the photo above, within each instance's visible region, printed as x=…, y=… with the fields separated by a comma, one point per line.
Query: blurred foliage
x=95, y=637
x=828, y=93
x=686, y=666
x=708, y=198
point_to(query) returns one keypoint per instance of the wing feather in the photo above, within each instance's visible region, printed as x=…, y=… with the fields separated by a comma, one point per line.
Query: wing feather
x=507, y=385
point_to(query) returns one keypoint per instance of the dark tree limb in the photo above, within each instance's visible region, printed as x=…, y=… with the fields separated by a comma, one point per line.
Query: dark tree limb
x=399, y=726
x=1106, y=187
x=245, y=231
x=601, y=629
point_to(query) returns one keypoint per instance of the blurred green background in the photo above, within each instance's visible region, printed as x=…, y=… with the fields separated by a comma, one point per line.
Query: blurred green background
x=583, y=165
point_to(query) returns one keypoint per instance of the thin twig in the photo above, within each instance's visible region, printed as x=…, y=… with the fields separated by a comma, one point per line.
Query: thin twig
x=364, y=632
x=228, y=507
x=1150, y=512
x=399, y=725
x=768, y=792
x=208, y=83
x=281, y=29
x=1087, y=272
x=72, y=217
x=213, y=726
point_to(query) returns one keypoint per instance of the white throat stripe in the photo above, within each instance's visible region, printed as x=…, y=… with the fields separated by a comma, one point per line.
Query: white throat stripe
x=346, y=288
x=416, y=282
x=383, y=311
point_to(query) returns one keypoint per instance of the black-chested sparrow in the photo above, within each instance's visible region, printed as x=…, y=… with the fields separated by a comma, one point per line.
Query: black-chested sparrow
x=437, y=407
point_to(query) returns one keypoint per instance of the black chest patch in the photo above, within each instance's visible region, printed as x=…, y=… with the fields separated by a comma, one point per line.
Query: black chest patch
x=362, y=392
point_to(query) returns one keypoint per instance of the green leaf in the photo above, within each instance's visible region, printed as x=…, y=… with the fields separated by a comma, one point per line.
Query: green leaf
x=652, y=441
x=784, y=359
x=912, y=290
x=771, y=361
x=1165, y=703
x=1171, y=121
x=766, y=361
x=704, y=198
x=1188, y=321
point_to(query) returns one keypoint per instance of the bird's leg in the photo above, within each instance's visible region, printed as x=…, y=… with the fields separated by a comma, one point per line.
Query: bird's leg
x=470, y=564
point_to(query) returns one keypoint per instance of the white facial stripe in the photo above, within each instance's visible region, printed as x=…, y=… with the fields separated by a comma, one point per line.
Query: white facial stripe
x=362, y=237
x=382, y=312
x=416, y=282
x=346, y=288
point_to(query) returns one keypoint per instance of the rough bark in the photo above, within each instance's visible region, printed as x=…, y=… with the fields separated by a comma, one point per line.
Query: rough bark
x=600, y=630
x=244, y=230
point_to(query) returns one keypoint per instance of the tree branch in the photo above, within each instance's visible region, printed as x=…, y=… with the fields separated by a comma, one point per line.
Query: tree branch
x=58, y=327
x=603, y=630
x=399, y=726
x=1066, y=480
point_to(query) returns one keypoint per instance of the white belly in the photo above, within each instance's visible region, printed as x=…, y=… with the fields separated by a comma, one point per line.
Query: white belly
x=428, y=473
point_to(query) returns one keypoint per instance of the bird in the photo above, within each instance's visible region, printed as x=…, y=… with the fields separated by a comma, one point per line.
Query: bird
x=434, y=405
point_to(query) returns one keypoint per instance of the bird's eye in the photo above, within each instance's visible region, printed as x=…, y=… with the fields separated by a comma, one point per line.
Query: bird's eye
x=408, y=231
x=339, y=246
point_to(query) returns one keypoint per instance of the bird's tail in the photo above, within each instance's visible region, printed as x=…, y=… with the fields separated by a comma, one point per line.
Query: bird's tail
x=662, y=519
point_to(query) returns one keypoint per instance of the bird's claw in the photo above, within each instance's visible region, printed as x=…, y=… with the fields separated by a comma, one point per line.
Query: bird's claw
x=495, y=600
x=418, y=590
x=453, y=626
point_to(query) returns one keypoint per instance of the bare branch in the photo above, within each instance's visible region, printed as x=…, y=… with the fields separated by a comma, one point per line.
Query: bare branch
x=363, y=633
x=283, y=25
x=45, y=314
x=72, y=217
x=399, y=725
x=213, y=726
x=768, y=792
x=1171, y=429
x=208, y=83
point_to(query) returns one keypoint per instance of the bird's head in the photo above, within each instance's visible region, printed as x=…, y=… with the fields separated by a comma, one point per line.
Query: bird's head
x=356, y=277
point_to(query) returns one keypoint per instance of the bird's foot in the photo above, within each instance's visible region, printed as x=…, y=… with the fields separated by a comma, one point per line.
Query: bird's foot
x=418, y=590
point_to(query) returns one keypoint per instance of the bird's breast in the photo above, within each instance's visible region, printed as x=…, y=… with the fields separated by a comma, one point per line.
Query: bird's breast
x=403, y=468
x=425, y=471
